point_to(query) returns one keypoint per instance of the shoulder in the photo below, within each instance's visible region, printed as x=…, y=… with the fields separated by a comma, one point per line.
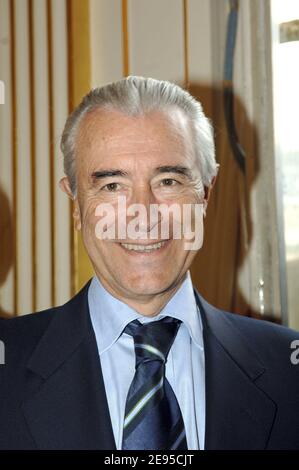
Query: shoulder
x=260, y=328
x=275, y=346
x=20, y=335
x=265, y=336
x=31, y=321
x=253, y=330
x=37, y=322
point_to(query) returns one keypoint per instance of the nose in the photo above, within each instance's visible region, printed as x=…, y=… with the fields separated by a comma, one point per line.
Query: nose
x=140, y=205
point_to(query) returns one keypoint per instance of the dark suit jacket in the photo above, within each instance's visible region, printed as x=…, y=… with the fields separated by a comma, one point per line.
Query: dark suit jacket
x=52, y=394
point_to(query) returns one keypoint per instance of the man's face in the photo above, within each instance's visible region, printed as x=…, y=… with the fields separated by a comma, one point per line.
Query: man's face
x=148, y=160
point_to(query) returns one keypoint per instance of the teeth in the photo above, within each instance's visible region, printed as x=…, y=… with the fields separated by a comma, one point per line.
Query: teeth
x=142, y=248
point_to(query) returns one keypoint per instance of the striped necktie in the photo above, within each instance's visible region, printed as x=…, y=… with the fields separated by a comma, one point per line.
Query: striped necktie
x=153, y=419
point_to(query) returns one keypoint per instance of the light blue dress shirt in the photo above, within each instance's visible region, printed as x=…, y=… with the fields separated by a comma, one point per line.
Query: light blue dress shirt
x=185, y=367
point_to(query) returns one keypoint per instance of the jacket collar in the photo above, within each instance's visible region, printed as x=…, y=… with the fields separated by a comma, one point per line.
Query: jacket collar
x=68, y=328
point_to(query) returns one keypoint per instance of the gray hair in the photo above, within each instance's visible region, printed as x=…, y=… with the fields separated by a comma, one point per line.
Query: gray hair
x=136, y=96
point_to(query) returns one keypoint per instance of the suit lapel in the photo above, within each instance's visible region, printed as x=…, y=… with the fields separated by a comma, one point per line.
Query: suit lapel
x=67, y=406
x=239, y=415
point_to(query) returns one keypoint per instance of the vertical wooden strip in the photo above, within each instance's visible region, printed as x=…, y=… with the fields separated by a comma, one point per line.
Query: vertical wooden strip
x=51, y=153
x=78, y=18
x=33, y=151
x=186, y=44
x=73, y=234
x=14, y=156
x=79, y=41
x=125, y=38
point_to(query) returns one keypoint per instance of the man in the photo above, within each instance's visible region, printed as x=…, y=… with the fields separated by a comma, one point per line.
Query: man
x=138, y=359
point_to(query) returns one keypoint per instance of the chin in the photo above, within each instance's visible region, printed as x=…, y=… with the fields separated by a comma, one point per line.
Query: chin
x=148, y=286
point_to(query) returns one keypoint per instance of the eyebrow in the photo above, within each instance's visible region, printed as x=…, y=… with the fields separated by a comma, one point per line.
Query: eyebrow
x=181, y=170
x=107, y=173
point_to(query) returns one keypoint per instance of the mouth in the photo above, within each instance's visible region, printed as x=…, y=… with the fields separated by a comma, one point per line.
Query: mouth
x=144, y=249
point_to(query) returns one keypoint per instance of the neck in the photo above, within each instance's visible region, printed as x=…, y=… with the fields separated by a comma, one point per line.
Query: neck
x=149, y=305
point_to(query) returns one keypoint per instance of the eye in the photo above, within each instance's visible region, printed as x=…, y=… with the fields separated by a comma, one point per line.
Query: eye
x=111, y=187
x=169, y=182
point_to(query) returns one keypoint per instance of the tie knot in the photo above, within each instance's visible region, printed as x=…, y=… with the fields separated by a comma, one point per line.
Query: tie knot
x=153, y=340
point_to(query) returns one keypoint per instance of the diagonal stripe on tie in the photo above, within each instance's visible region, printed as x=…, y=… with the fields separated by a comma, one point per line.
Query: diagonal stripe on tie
x=179, y=441
x=150, y=349
x=133, y=401
x=133, y=413
x=177, y=435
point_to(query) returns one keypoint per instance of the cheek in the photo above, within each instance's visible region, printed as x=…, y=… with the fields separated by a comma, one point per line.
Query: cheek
x=194, y=229
x=89, y=218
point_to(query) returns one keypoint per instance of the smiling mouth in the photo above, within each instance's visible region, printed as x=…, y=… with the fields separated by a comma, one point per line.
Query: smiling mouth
x=139, y=248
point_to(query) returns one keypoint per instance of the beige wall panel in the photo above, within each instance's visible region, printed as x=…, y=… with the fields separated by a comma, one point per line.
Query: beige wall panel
x=106, y=41
x=200, y=56
x=60, y=108
x=200, y=41
x=41, y=136
x=156, y=39
x=23, y=129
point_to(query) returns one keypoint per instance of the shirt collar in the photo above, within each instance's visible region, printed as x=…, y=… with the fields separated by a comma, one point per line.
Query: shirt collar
x=109, y=316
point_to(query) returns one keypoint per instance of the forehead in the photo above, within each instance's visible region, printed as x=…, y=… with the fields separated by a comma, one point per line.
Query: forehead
x=106, y=132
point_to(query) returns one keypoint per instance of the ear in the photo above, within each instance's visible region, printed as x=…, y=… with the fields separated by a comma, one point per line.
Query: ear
x=77, y=215
x=64, y=184
x=208, y=190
